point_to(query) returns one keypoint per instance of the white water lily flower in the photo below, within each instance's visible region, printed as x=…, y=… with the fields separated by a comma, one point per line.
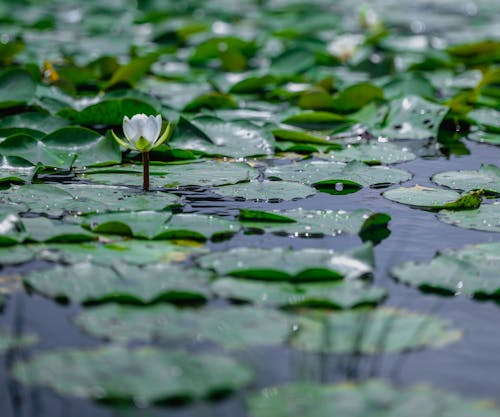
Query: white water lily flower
x=143, y=132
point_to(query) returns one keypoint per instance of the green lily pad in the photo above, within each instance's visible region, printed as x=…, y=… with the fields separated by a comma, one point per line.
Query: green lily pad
x=315, y=120
x=231, y=327
x=154, y=225
x=88, y=283
x=142, y=375
x=381, y=330
x=84, y=146
x=433, y=198
x=300, y=222
x=486, y=117
x=361, y=400
x=338, y=295
x=203, y=174
x=487, y=178
x=214, y=136
x=41, y=229
x=413, y=117
x=355, y=97
x=266, y=191
x=55, y=200
x=280, y=264
x=17, y=88
x=480, y=136
x=486, y=217
x=469, y=271
x=373, y=153
x=129, y=251
x=33, y=121
x=326, y=175
x=109, y=112
x=14, y=255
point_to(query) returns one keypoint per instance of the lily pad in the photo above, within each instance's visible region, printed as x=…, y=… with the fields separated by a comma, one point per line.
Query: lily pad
x=315, y=223
x=487, y=178
x=145, y=375
x=360, y=400
x=339, y=295
x=374, y=331
x=325, y=175
x=413, y=117
x=88, y=283
x=214, y=136
x=486, y=217
x=41, y=229
x=134, y=252
x=55, y=200
x=469, y=271
x=203, y=174
x=488, y=118
x=154, y=225
x=32, y=121
x=270, y=191
x=14, y=255
x=17, y=88
x=280, y=264
x=433, y=198
x=109, y=112
x=231, y=327
x=373, y=153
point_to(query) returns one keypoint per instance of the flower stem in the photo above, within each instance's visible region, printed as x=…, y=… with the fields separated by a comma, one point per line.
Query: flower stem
x=145, y=163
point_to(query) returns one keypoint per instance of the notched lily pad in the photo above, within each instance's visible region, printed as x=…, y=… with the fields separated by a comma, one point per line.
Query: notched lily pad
x=487, y=178
x=314, y=223
x=373, y=331
x=413, y=117
x=433, y=198
x=471, y=271
x=338, y=177
x=270, y=191
x=339, y=295
x=142, y=375
x=360, y=400
x=280, y=264
x=231, y=327
x=486, y=217
x=89, y=283
x=157, y=226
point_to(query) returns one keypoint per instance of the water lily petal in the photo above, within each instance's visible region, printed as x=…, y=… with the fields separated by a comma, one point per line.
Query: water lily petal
x=130, y=130
x=158, y=122
x=149, y=131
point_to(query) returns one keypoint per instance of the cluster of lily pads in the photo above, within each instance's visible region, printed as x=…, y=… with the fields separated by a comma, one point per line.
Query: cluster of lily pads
x=269, y=103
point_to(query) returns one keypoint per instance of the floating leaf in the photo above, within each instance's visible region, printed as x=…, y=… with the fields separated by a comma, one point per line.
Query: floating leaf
x=55, y=200
x=361, y=400
x=13, y=255
x=280, y=264
x=129, y=251
x=214, y=136
x=488, y=118
x=32, y=121
x=300, y=222
x=487, y=178
x=373, y=331
x=17, y=88
x=266, y=191
x=373, y=153
x=470, y=271
x=142, y=375
x=413, y=117
x=88, y=283
x=154, y=225
x=326, y=175
x=108, y=112
x=433, y=198
x=231, y=327
x=338, y=295
x=486, y=217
